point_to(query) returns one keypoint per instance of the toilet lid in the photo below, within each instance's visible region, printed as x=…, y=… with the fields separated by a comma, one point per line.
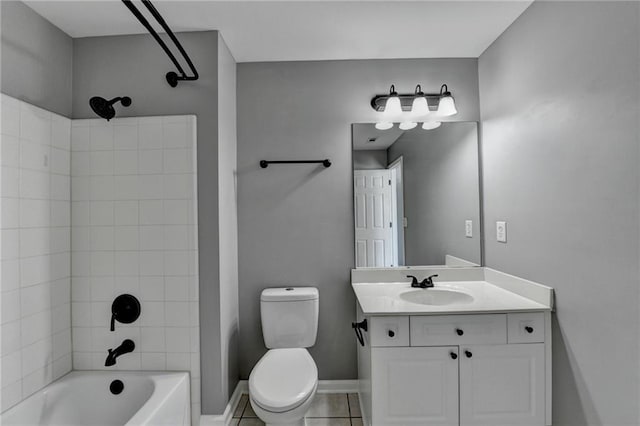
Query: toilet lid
x=283, y=379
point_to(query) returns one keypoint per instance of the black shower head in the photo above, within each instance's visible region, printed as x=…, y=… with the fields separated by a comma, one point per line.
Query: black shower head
x=104, y=108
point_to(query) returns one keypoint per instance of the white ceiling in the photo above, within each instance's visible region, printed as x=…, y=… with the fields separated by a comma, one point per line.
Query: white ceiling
x=308, y=30
x=365, y=136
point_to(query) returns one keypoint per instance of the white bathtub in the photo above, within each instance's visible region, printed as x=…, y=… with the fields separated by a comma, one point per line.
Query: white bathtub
x=83, y=398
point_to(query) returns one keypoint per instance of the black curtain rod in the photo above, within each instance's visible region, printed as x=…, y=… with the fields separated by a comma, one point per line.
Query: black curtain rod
x=172, y=77
x=264, y=163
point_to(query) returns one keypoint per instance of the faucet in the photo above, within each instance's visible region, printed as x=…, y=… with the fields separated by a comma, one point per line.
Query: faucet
x=426, y=283
x=126, y=347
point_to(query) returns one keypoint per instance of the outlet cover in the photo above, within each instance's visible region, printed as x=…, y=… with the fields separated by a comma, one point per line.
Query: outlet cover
x=468, y=228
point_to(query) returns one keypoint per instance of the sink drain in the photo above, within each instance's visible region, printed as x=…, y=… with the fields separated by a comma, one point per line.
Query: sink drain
x=116, y=387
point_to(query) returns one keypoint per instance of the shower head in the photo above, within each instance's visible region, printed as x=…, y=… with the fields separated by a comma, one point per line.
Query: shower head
x=104, y=108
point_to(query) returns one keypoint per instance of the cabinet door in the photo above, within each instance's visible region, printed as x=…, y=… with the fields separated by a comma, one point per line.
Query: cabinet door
x=415, y=386
x=502, y=385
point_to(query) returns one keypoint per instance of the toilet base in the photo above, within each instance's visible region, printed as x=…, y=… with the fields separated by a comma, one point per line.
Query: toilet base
x=294, y=417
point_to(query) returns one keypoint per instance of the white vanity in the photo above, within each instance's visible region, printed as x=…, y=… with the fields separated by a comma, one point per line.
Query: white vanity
x=473, y=350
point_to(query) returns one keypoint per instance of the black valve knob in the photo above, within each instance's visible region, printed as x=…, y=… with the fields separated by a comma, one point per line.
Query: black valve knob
x=468, y=354
x=391, y=333
x=454, y=355
x=460, y=332
x=529, y=329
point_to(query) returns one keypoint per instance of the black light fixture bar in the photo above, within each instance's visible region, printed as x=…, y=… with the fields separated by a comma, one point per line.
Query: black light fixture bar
x=172, y=77
x=264, y=163
x=406, y=101
x=378, y=102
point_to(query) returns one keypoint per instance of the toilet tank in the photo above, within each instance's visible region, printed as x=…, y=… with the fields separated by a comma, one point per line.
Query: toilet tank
x=289, y=317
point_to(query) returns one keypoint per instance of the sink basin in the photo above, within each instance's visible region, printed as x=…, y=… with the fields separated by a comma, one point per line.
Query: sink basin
x=436, y=296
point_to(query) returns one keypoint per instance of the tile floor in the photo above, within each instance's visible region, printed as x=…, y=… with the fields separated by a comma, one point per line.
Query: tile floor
x=327, y=409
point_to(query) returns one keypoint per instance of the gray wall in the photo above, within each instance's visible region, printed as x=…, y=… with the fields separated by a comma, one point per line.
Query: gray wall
x=295, y=222
x=441, y=191
x=36, y=59
x=559, y=98
x=136, y=66
x=370, y=159
x=228, y=217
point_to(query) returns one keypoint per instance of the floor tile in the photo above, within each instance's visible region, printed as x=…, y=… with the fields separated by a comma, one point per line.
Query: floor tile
x=356, y=422
x=251, y=422
x=248, y=411
x=354, y=405
x=244, y=399
x=327, y=422
x=329, y=405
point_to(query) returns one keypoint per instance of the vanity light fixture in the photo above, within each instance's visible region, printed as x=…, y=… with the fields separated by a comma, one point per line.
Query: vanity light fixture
x=447, y=105
x=409, y=109
x=392, y=107
x=420, y=106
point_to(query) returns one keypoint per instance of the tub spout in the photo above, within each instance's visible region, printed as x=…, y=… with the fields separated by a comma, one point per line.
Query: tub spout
x=126, y=347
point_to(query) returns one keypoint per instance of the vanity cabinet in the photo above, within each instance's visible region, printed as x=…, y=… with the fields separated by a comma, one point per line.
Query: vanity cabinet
x=415, y=386
x=456, y=370
x=502, y=385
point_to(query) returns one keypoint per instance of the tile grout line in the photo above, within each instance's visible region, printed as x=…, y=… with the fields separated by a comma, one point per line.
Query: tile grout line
x=244, y=410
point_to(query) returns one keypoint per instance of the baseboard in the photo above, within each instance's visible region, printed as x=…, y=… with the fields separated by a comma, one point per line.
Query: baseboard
x=340, y=386
x=224, y=419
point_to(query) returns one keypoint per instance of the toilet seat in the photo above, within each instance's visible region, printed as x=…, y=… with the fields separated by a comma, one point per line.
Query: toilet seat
x=283, y=379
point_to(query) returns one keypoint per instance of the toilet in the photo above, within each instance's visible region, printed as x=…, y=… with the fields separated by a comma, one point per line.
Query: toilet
x=284, y=381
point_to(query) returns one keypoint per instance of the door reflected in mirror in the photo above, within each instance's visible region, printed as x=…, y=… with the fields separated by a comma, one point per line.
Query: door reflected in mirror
x=416, y=196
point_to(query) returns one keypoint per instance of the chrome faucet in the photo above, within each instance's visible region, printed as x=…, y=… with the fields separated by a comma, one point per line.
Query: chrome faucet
x=426, y=283
x=126, y=347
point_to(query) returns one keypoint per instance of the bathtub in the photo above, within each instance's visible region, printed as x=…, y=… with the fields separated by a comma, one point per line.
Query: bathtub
x=83, y=398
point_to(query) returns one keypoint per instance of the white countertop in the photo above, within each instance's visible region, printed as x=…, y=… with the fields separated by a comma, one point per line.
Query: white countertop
x=383, y=298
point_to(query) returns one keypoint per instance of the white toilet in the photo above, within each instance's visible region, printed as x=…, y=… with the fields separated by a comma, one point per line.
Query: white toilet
x=283, y=383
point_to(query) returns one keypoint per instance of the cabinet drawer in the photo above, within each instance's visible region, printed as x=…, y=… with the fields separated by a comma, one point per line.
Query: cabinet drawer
x=458, y=330
x=525, y=328
x=389, y=331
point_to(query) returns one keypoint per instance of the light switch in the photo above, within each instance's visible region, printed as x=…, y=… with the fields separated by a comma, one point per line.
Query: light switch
x=501, y=231
x=468, y=228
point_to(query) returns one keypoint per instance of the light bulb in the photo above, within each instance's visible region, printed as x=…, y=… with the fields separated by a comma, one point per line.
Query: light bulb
x=384, y=125
x=430, y=125
x=393, y=107
x=420, y=107
x=407, y=125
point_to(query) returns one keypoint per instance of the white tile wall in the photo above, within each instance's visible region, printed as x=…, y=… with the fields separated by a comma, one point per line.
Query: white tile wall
x=35, y=270
x=133, y=209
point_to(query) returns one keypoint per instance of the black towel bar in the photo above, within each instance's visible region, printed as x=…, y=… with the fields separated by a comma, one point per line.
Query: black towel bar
x=264, y=163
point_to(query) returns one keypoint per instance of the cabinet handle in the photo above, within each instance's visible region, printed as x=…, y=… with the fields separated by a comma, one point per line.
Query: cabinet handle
x=454, y=355
x=468, y=354
x=460, y=332
x=391, y=333
x=529, y=329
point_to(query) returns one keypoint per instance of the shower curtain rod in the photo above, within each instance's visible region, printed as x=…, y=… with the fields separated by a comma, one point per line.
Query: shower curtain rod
x=172, y=77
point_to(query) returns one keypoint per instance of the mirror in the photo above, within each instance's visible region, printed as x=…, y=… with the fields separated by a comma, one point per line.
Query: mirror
x=416, y=196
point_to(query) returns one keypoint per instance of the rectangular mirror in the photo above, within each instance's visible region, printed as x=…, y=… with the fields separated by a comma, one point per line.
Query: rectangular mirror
x=416, y=196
